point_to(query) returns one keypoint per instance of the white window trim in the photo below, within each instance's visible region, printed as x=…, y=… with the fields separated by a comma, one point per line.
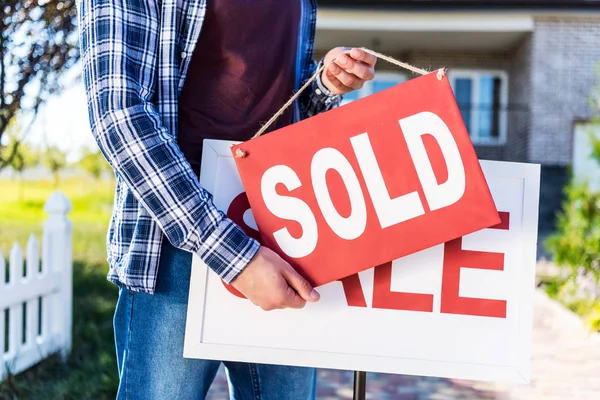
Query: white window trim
x=367, y=89
x=474, y=128
x=335, y=18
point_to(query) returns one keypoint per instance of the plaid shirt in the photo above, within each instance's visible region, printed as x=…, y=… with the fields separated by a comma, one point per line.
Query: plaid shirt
x=135, y=57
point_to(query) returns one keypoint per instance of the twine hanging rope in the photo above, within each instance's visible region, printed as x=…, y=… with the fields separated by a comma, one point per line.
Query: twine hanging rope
x=440, y=75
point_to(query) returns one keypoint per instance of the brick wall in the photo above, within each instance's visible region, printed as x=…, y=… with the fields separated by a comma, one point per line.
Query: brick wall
x=449, y=59
x=461, y=59
x=519, y=95
x=565, y=52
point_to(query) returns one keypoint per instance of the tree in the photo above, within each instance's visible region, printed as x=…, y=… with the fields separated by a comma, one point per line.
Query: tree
x=38, y=43
x=56, y=160
x=23, y=158
x=94, y=163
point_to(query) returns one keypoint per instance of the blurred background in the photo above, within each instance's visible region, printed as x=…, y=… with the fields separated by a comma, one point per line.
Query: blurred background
x=525, y=76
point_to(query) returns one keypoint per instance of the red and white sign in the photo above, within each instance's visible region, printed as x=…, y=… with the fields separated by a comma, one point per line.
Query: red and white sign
x=375, y=180
x=463, y=309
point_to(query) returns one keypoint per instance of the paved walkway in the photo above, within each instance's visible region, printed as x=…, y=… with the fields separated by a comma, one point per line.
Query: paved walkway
x=566, y=365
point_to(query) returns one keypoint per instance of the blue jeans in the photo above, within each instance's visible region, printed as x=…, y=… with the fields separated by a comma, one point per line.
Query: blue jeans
x=149, y=335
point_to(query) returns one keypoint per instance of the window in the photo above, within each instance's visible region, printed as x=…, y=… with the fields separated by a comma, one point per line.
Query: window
x=382, y=81
x=482, y=98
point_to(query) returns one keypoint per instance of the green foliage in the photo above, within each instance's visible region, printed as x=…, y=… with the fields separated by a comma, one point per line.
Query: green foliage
x=595, y=146
x=94, y=163
x=56, y=160
x=25, y=157
x=17, y=154
x=568, y=292
x=577, y=242
x=592, y=319
x=552, y=286
x=38, y=43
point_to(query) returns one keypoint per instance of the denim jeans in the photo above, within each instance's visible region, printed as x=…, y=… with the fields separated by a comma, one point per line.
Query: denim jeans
x=149, y=335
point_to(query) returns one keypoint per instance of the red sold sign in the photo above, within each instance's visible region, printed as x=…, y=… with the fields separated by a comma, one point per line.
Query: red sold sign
x=367, y=183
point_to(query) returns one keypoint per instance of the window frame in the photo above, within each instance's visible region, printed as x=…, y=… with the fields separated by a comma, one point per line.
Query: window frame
x=474, y=75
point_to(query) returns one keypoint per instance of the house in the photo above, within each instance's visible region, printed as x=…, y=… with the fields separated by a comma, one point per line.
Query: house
x=522, y=71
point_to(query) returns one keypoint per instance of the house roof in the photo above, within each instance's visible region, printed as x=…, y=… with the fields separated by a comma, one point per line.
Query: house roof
x=464, y=4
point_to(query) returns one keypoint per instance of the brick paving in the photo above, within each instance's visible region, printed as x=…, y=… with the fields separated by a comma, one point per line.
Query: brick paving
x=565, y=365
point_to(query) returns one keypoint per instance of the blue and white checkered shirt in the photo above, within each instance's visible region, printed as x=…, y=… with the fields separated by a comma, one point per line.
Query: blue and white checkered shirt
x=135, y=57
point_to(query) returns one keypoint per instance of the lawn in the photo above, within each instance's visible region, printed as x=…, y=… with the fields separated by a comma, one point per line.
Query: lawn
x=90, y=371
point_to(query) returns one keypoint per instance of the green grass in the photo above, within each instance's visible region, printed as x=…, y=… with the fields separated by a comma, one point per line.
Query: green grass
x=22, y=216
x=90, y=371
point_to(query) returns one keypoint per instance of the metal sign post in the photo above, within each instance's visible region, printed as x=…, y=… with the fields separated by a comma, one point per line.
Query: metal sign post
x=360, y=385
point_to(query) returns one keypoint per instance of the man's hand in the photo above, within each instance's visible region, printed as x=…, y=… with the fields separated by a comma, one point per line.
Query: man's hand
x=271, y=283
x=346, y=71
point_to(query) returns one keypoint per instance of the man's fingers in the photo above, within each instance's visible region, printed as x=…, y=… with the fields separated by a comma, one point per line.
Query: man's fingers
x=362, y=71
x=348, y=69
x=345, y=62
x=361, y=55
x=286, y=297
x=335, y=81
x=349, y=80
x=351, y=73
x=271, y=283
x=300, y=285
x=293, y=300
x=333, y=70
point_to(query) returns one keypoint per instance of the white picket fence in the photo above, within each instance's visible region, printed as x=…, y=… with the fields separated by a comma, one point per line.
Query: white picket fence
x=36, y=301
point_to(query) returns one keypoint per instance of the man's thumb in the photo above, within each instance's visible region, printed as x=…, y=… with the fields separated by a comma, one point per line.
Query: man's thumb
x=301, y=285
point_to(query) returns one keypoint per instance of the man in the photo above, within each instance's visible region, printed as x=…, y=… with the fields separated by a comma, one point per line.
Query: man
x=160, y=77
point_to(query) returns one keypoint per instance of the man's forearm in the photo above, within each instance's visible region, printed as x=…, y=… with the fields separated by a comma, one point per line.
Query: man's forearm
x=129, y=132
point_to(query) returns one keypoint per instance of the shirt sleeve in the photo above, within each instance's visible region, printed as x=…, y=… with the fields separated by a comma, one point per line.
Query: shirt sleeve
x=317, y=98
x=120, y=50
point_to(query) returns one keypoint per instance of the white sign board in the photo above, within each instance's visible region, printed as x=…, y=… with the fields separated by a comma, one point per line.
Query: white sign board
x=455, y=288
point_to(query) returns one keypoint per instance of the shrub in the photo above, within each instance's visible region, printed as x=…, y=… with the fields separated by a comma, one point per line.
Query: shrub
x=576, y=245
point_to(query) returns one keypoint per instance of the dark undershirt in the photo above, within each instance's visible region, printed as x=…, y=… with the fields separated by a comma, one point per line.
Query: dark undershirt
x=242, y=71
